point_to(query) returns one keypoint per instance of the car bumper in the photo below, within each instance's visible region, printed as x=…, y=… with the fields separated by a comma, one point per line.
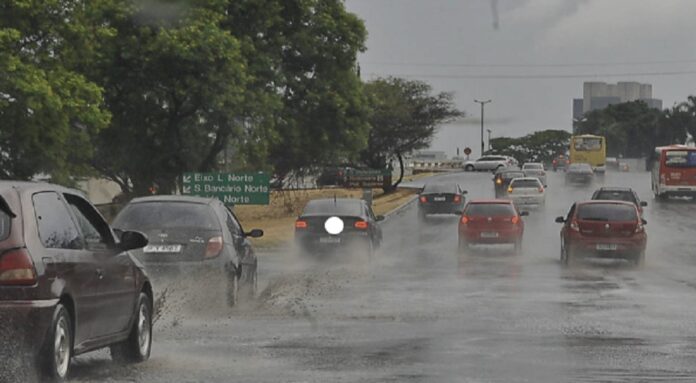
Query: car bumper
x=331, y=244
x=484, y=237
x=607, y=248
x=685, y=190
x=441, y=208
x=527, y=200
x=24, y=325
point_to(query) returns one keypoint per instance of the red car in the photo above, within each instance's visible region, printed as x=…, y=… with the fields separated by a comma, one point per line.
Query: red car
x=491, y=222
x=611, y=229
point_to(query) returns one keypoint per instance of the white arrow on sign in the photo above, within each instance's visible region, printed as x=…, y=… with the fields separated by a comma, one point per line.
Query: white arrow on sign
x=187, y=189
x=187, y=179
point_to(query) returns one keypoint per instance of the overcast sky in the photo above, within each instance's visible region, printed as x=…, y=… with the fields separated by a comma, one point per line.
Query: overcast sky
x=534, y=63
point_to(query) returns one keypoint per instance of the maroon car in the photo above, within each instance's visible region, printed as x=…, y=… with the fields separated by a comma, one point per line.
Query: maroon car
x=68, y=285
x=607, y=229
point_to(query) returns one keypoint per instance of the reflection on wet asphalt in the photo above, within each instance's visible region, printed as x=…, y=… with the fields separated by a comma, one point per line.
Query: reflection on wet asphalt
x=420, y=313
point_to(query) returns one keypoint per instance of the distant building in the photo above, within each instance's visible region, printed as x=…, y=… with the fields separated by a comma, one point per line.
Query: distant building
x=598, y=95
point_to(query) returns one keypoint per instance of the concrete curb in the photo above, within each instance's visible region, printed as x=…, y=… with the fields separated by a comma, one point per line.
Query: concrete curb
x=401, y=208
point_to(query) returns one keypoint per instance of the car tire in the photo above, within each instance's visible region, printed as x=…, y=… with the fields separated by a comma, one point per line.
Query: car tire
x=232, y=289
x=57, y=351
x=639, y=259
x=518, y=247
x=137, y=347
x=469, y=168
x=463, y=247
x=249, y=282
x=421, y=215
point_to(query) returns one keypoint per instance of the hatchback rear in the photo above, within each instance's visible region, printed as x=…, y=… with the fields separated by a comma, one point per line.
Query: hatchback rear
x=527, y=191
x=441, y=199
x=490, y=223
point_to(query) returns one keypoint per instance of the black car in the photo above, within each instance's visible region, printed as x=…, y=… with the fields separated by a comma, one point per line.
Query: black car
x=68, y=284
x=502, y=180
x=189, y=233
x=441, y=198
x=327, y=225
x=620, y=194
x=579, y=173
x=333, y=176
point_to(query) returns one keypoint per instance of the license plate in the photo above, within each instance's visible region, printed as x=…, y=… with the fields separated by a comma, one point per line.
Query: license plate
x=162, y=249
x=488, y=234
x=439, y=199
x=606, y=246
x=330, y=240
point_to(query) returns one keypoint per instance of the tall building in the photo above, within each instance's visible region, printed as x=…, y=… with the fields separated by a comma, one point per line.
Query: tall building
x=598, y=95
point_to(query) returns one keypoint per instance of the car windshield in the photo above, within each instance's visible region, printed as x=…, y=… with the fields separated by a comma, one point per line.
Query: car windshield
x=615, y=196
x=533, y=167
x=525, y=183
x=680, y=159
x=606, y=212
x=330, y=208
x=166, y=215
x=439, y=188
x=490, y=210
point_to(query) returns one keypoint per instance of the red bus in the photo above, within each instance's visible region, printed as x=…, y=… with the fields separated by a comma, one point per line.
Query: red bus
x=674, y=171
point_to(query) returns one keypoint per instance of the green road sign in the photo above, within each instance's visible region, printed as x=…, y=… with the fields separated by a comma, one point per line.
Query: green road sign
x=368, y=178
x=230, y=188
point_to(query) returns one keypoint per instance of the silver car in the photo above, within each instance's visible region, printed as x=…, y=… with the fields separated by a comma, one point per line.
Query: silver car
x=535, y=169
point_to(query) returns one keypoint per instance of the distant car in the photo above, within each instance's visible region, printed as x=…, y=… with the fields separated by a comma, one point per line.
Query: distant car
x=527, y=191
x=502, y=179
x=441, y=199
x=535, y=169
x=620, y=194
x=560, y=162
x=488, y=163
x=333, y=176
x=68, y=284
x=490, y=222
x=579, y=173
x=609, y=229
x=194, y=233
x=332, y=224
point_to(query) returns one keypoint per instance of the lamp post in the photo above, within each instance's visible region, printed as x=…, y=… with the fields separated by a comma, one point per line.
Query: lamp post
x=576, y=121
x=483, y=103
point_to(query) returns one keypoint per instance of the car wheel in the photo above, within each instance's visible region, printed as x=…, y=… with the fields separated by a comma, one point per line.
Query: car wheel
x=463, y=247
x=518, y=247
x=421, y=215
x=137, y=347
x=232, y=291
x=564, y=256
x=57, y=351
x=469, y=168
x=639, y=259
x=249, y=281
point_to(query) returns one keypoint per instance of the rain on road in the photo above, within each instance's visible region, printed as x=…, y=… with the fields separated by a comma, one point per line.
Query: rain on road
x=419, y=313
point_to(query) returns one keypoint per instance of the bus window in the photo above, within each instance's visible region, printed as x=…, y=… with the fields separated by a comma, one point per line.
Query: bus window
x=588, y=144
x=680, y=159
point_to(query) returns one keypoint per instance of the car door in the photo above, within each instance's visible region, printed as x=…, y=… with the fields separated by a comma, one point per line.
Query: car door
x=566, y=224
x=241, y=244
x=76, y=268
x=117, y=289
x=483, y=163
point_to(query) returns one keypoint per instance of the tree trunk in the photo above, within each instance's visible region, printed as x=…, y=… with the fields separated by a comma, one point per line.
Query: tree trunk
x=401, y=174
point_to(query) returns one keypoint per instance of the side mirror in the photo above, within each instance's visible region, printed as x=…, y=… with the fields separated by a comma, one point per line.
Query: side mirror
x=644, y=222
x=256, y=233
x=131, y=240
x=465, y=192
x=524, y=213
x=643, y=203
x=560, y=220
x=380, y=218
x=459, y=211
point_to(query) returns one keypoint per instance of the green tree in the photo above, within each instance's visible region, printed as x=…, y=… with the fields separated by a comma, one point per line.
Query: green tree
x=404, y=117
x=541, y=146
x=49, y=112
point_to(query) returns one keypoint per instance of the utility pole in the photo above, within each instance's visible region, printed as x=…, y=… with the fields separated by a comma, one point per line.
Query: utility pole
x=483, y=103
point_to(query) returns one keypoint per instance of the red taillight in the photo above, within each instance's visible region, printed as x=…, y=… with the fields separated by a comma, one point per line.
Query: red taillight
x=541, y=189
x=361, y=225
x=17, y=268
x=639, y=228
x=214, y=247
x=423, y=199
x=457, y=198
x=464, y=220
x=515, y=220
x=300, y=224
x=574, y=225
x=555, y=162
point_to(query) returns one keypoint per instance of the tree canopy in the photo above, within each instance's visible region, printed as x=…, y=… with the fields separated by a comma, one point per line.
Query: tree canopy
x=541, y=146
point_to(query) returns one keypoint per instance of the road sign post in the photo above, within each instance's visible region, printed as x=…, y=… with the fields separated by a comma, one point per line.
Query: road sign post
x=230, y=188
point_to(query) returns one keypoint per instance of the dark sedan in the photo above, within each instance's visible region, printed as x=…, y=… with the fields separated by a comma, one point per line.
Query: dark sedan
x=620, y=194
x=327, y=225
x=68, y=285
x=579, y=173
x=441, y=199
x=193, y=233
x=502, y=180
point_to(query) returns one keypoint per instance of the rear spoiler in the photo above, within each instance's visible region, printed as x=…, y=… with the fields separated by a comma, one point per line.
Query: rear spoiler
x=5, y=208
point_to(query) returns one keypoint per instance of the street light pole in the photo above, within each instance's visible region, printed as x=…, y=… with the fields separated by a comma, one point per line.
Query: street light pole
x=482, y=105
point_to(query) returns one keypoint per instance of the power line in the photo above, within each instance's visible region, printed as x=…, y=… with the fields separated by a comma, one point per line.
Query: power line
x=529, y=65
x=532, y=76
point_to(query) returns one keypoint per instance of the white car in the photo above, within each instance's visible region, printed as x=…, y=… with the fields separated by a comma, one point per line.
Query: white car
x=488, y=163
x=535, y=169
x=527, y=191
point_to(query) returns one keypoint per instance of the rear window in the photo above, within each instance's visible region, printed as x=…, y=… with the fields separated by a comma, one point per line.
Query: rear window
x=490, y=210
x=510, y=175
x=615, y=196
x=166, y=215
x=533, y=167
x=5, y=222
x=580, y=167
x=439, y=188
x=606, y=212
x=680, y=158
x=331, y=207
x=525, y=183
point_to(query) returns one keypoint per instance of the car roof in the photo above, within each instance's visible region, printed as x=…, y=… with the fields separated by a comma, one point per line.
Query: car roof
x=491, y=201
x=607, y=202
x=525, y=179
x=335, y=201
x=532, y=163
x=174, y=198
x=614, y=189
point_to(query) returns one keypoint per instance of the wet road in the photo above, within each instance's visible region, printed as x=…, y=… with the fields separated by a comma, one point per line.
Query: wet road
x=418, y=313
